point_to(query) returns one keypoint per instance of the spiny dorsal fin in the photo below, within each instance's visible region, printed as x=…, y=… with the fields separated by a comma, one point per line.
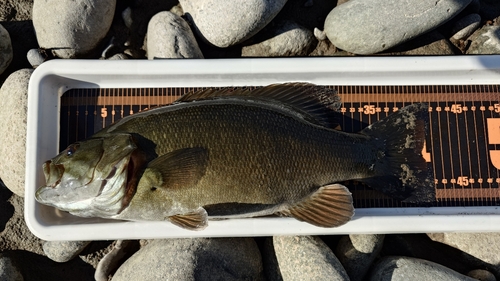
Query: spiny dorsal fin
x=197, y=220
x=330, y=206
x=180, y=168
x=317, y=104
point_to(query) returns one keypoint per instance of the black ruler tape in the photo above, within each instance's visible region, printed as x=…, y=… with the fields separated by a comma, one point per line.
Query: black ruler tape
x=462, y=141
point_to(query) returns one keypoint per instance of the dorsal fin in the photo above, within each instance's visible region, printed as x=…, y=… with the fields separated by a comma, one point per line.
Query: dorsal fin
x=317, y=104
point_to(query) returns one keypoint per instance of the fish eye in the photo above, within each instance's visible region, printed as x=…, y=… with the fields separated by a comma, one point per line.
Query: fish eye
x=71, y=149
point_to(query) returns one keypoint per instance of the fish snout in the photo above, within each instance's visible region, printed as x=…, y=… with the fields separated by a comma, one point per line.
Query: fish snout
x=53, y=173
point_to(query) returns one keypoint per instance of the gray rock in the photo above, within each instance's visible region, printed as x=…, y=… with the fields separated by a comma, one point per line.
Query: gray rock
x=8, y=269
x=430, y=44
x=286, y=39
x=119, y=56
x=5, y=49
x=371, y=26
x=307, y=258
x=485, y=41
x=16, y=10
x=14, y=102
x=112, y=260
x=35, y=58
x=170, y=37
x=63, y=251
x=194, y=259
x=481, y=275
x=465, y=26
x=357, y=253
x=319, y=34
x=484, y=246
x=226, y=23
x=72, y=28
x=406, y=268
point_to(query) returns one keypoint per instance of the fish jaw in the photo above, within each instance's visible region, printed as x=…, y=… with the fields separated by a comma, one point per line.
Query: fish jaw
x=91, y=180
x=100, y=197
x=53, y=173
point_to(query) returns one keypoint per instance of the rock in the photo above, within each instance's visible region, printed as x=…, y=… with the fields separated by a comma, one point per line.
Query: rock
x=127, y=17
x=169, y=36
x=14, y=102
x=464, y=27
x=5, y=49
x=8, y=269
x=307, y=258
x=286, y=39
x=35, y=57
x=72, y=28
x=357, y=253
x=63, y=251
x=16, y=10
x=122, y=250
x=430, y=44
x=406, y=268
x=226, y=23
x=194, y=259
x=484, y=246
x=485, y=41
x=119, y=56
x=371, y=26
x=482, y=275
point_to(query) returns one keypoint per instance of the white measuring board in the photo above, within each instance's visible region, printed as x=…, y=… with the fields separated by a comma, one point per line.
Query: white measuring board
x=71, y=99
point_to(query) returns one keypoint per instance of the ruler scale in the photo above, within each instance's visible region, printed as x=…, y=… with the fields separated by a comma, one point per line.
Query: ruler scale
x=462, y=142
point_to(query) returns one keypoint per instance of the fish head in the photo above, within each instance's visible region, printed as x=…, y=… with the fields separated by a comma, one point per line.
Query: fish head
x=86, y=170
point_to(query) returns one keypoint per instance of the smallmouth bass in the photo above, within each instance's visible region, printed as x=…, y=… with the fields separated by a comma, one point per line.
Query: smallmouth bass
x=234, y=153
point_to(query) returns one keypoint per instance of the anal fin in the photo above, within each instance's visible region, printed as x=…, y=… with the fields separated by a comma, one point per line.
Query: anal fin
x=197, y=220
x=330, y=206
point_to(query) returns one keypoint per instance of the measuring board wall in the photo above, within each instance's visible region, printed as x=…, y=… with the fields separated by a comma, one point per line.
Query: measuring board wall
x=462, y=141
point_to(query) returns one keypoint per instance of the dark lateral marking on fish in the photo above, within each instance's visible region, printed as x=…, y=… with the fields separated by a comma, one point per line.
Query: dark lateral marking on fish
x=235, y=208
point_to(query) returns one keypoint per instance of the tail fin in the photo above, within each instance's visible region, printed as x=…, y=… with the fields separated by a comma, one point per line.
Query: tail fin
x=401, y=171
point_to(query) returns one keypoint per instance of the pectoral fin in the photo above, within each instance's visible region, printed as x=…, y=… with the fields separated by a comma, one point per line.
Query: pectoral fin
x=196, y=220
x=330, y=206
x=180, y=168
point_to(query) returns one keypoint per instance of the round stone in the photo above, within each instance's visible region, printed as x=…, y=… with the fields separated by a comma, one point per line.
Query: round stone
x=169, y=36
x=14, y=104
x=286, y=39
x=72, y=28
x=63, y=251
x=194, y=259
x=371, y=26
x=226, y=23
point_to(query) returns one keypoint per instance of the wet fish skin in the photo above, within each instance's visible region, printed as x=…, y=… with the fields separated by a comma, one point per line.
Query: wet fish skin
x=242, y=154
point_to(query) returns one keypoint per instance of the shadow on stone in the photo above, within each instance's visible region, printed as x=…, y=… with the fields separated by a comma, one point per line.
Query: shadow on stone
x=37, y=267
x=421, y=246
x=23, y=38
x=6, y=209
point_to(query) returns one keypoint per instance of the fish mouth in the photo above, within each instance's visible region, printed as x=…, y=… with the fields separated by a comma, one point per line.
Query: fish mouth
x=53, y=173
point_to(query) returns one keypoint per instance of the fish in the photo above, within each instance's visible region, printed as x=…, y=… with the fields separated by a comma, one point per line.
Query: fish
x=239, y=153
